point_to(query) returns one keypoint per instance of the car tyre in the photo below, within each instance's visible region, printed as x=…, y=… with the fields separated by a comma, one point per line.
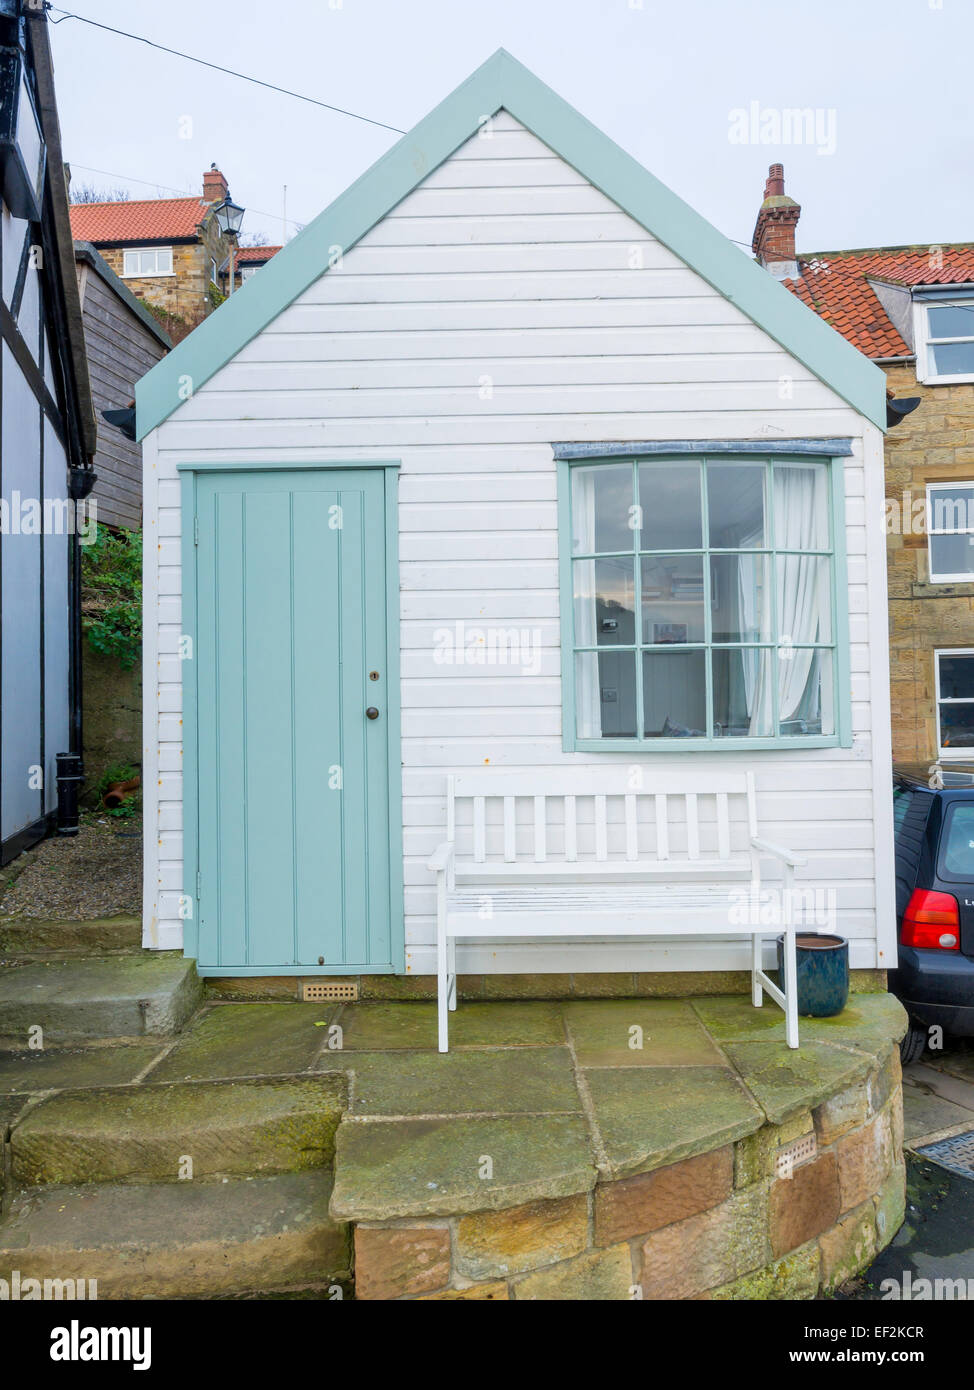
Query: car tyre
x=914, y=1043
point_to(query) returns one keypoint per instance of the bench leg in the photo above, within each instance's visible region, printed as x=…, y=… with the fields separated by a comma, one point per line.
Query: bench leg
x=442, y=978
x=451, y=971
x=790, y=986
x=757, y=993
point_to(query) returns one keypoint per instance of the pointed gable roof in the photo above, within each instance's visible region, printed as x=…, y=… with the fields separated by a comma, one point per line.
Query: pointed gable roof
x=504, y=83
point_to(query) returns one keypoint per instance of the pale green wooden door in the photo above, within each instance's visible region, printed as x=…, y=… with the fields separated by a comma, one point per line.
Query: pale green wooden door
x=293, y=823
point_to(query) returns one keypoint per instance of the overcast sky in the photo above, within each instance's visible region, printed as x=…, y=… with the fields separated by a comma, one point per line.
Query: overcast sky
x=888, y=161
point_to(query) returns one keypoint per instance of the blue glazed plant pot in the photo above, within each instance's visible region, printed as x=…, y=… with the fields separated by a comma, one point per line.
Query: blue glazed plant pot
x=823, y=973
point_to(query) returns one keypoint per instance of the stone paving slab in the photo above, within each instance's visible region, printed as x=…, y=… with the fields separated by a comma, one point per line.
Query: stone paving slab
x=146, y=1133
x=248, y=1040
x=178, y=1240
x=100, y=996
x=867, y=1021
x=943, y=1084
x=60, y=1068
x=925, y=1113
x=28, y=934
x=537, y=1080
x=549, y=1092
x=399, y=1168
x=784, y=1080
x=651, y=1116
x=375, y=1027
x=639, y=1032
x=957, y=1060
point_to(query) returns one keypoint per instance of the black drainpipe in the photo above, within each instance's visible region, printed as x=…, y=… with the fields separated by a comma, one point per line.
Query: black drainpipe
x=70, y=766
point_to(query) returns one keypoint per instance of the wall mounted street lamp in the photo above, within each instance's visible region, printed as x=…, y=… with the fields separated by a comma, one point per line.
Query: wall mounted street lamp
x=230, y=215
x=22, y=150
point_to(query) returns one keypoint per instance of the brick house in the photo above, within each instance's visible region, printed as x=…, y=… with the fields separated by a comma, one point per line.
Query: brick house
x=910, y=309
x=167, y=251
x=247, y=260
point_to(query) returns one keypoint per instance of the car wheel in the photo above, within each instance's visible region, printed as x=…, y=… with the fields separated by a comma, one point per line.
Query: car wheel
x=914, y=1043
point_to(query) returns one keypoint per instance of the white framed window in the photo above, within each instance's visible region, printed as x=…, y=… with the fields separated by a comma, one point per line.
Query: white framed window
x=954, y=672
x=945, y=339
x=213, y=272
x=140, y=261
x=950, y=532
x=246, y=271
x=698, y=603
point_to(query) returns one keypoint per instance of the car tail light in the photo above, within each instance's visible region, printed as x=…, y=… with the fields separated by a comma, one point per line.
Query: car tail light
x=931, y=921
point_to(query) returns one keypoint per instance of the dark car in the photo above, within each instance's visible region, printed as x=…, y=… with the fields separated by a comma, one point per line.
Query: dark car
x=933, y=817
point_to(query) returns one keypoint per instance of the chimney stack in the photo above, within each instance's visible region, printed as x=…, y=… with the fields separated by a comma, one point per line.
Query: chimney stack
x=215, y=186
x=774, y=232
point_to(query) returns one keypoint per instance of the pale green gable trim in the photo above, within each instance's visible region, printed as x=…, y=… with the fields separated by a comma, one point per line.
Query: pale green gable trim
x=502, y=82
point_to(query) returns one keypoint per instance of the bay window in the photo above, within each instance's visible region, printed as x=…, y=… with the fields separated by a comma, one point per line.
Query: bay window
x=701, y=598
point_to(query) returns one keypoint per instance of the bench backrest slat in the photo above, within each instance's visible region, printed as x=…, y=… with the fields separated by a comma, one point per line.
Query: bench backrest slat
x=571, y=830
x=601, y=829
x=510, y=830
x=632, y=828
x=479, y=830
x=662, y=827
x=601, y=814
x=693, y=827
x=723, y=826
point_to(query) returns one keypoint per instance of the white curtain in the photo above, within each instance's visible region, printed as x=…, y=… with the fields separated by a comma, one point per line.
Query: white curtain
x=588, y=702
x=799, y=505
x=799, y=512
x=755, y=624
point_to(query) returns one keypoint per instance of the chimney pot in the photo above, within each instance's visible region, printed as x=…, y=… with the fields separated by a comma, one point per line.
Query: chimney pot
x=775, y=185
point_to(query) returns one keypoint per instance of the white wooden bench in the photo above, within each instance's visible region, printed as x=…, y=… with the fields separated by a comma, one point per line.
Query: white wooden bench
x=596, y=858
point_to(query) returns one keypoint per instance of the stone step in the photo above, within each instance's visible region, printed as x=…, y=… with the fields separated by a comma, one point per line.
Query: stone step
x=179, y=1240
x=27, y=936
x=163, y=1133
x=152, y=993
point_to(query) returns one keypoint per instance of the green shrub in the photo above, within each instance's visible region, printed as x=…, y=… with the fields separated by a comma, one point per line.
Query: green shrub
x=111, y=607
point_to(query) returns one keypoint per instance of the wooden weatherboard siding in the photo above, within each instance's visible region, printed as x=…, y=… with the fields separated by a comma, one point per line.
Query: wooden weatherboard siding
x=506, y=305
x=122, y=342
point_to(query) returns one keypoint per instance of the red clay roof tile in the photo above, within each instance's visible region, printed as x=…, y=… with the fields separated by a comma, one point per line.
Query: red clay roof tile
x=243, y=254
x=151, y=219
x=836, y=284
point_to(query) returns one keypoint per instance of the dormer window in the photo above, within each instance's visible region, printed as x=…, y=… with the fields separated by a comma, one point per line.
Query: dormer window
x=945, y=339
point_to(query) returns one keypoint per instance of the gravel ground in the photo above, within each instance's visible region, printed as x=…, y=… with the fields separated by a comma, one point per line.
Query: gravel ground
x=96, y=873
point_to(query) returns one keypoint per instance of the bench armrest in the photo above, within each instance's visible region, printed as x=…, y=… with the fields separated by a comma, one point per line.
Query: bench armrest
x=441, y=857
x=787, y=856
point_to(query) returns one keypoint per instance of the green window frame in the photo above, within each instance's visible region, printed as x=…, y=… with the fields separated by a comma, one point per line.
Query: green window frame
x=788, y=733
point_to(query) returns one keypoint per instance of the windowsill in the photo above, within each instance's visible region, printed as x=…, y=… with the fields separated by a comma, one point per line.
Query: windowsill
x=956, y=755
x=151, y=275
x=943, y=588
x=945, y=380
x=704, y=745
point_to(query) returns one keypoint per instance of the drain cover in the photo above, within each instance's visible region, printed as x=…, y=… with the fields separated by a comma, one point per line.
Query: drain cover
x=957, y=1154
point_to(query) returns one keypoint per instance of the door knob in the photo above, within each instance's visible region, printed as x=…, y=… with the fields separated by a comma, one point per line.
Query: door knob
x=371, y=712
